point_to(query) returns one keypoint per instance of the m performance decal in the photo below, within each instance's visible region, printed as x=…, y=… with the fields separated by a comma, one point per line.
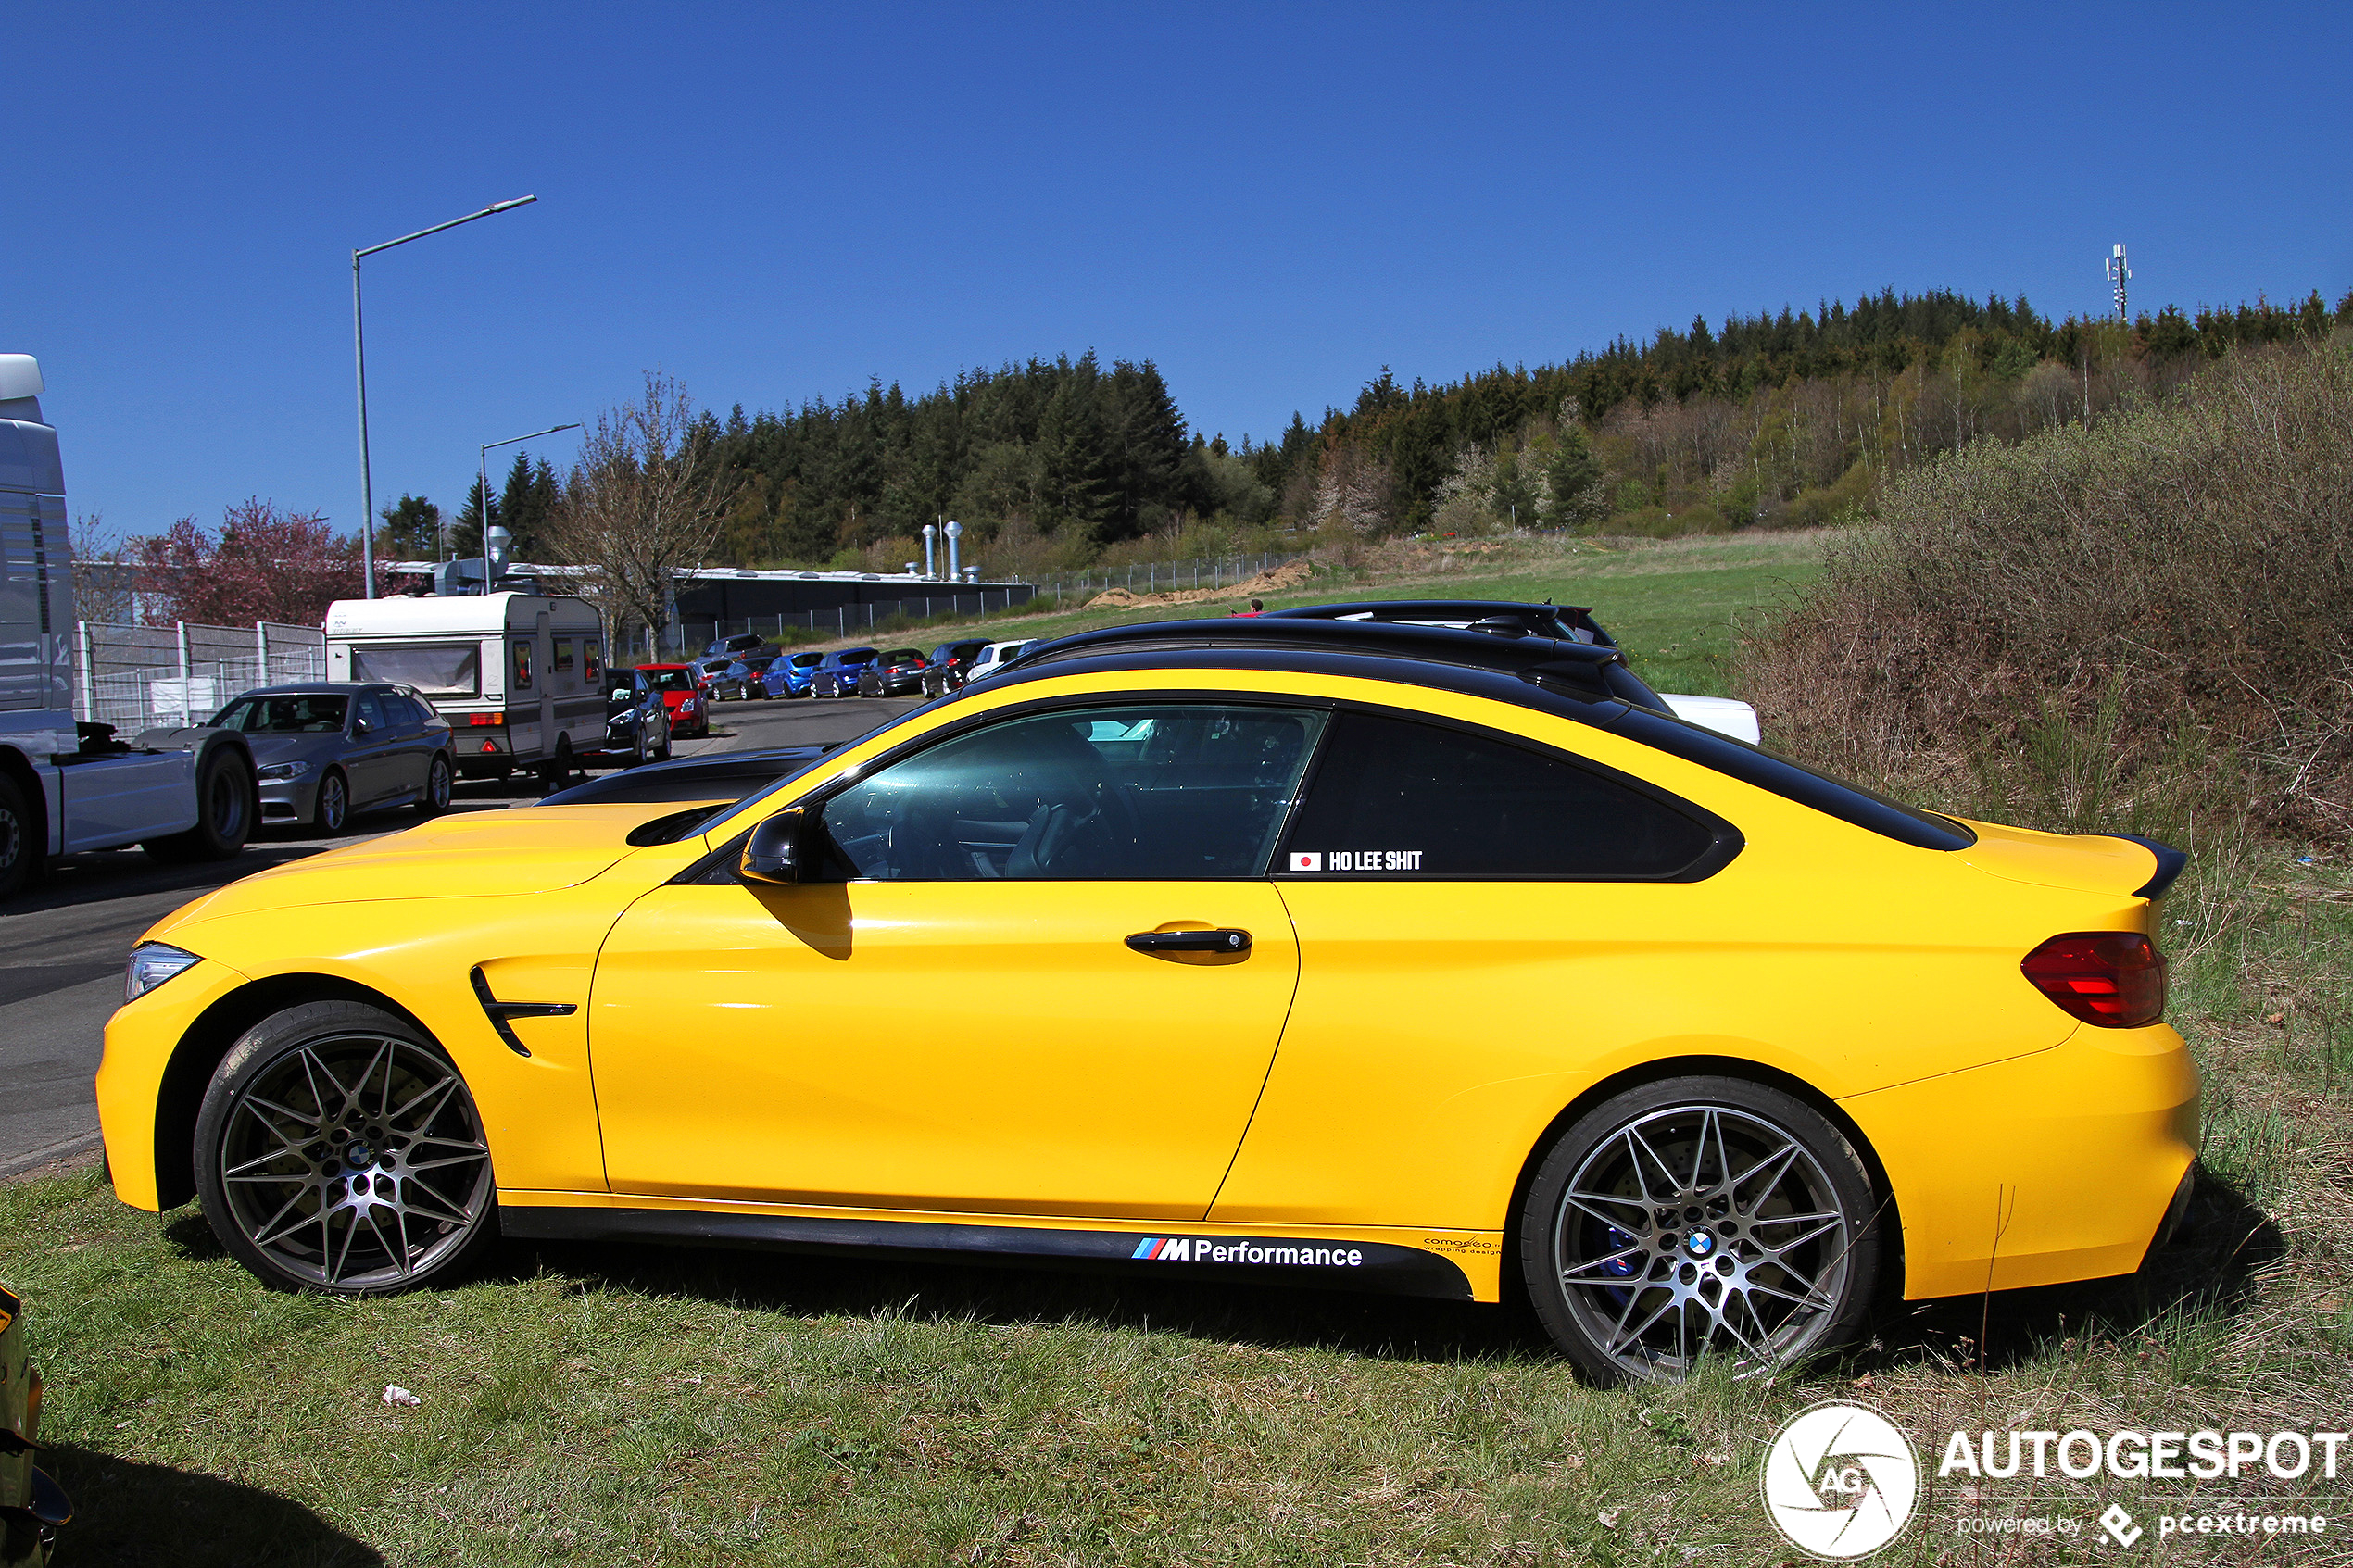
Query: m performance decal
x=1373, y=1265
x=1280, y=1254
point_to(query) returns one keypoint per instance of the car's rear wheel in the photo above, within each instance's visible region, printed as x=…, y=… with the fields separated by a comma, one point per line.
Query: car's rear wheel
x=1695, y=1217
x=337, y=1150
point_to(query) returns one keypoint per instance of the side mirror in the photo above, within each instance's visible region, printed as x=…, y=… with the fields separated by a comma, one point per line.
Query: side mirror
x=361, y=727
x=774, y=853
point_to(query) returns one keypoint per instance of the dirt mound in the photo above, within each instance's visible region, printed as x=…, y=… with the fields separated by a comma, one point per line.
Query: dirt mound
x=1288, y=575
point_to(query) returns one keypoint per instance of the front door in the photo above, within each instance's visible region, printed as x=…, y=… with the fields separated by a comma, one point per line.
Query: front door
x=373, y=763
x=961, y=1022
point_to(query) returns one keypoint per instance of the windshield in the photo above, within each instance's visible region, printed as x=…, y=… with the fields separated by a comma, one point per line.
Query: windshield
x=307, y=714
x=436, y=668
x=670, y=680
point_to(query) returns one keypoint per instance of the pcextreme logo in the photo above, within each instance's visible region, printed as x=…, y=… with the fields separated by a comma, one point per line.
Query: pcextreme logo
x=1840, y=1481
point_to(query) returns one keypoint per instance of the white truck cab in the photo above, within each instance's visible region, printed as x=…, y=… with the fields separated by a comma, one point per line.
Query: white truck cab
x=181, y=793
x=520, y=676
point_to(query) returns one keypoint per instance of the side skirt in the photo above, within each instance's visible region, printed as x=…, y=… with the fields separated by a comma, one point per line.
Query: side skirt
x=1358, y=1265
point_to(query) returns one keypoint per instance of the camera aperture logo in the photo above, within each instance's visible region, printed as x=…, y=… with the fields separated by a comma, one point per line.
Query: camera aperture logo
x=1840, y=1481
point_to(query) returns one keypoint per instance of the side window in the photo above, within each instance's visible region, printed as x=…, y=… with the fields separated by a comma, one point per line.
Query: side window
x=591, y=663
x=563, y=655
x=1145, y=792
x=371, y=714
x=523, y=666
x=1399, y=800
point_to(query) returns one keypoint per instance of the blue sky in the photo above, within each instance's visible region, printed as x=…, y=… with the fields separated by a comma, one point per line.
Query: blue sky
x=775, y=202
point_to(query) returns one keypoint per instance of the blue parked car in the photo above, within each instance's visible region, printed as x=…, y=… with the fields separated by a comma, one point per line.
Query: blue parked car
x=836, y=675
x=789, y=675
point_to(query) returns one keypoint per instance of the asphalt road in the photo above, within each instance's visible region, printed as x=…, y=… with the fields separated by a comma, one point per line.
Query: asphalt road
x=62, y=946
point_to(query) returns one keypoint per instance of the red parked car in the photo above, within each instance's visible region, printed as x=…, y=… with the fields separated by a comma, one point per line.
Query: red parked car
x=682, y=693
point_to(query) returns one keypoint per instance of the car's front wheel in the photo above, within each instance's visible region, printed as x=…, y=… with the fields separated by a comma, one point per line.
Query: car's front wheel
x=440, y=785
x=1701, y=1216
x=337, y=1150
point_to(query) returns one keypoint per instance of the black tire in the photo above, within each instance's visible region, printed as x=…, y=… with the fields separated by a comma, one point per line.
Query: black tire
x=277, y=1164
x=226, y=802
x=332, y=811
x=23, y=840
x=557, y=768
x=1664, y=1224
x=440, y=785
x=666, y=749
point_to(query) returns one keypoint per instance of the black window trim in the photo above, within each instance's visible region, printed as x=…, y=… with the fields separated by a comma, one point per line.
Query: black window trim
x=1726, y=841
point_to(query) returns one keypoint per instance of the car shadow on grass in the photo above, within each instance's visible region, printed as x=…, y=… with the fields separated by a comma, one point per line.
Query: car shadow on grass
x=2205, y=1273
x=1270, y=1317
x=130, y=1515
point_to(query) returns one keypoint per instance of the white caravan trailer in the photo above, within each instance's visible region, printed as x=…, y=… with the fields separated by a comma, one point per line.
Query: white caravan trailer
x=519, y=676
x=180, y=794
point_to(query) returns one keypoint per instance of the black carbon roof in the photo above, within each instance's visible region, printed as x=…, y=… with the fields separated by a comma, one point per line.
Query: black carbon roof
x=1585, y=671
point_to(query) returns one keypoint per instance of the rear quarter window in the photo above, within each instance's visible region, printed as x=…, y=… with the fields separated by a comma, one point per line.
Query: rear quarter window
x=1397, y=799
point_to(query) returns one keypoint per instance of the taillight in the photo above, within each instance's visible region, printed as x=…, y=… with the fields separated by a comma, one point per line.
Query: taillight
x=486, y=718
x=2115, y=979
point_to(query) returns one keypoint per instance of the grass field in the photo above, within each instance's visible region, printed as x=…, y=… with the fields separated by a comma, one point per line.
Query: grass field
x=1671, y=603
x=643, y=1406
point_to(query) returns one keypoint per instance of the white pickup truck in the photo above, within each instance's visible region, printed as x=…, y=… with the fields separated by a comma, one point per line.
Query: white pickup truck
x=181, y=794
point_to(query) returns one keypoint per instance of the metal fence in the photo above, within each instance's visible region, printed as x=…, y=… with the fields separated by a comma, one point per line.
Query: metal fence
x=1066, y=591
x=1164, y=577
x=138, y=677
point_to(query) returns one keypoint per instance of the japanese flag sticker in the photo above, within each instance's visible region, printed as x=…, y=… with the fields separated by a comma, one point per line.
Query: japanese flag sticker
x=1303, y=861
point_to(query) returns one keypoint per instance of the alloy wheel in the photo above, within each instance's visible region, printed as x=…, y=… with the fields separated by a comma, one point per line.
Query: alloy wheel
x=1702, y=1229
x=355, y=1162
x=335, y=804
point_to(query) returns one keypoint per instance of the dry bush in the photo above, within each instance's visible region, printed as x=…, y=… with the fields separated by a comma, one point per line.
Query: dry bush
x=2143, y=622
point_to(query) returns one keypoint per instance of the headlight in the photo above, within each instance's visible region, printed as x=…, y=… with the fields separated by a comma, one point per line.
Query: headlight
x=281, y=771
x=152, y=963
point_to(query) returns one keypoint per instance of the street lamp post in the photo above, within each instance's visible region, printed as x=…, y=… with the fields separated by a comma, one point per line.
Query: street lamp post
x=359, y=363
x=485, y=490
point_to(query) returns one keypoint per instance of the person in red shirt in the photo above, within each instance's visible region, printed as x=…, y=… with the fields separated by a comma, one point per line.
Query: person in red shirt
x=1255, y=607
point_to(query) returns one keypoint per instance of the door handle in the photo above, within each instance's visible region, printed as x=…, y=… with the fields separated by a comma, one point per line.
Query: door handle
x=1225, y=941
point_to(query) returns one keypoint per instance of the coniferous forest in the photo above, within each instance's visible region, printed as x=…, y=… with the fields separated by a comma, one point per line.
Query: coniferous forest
x=1765, y=420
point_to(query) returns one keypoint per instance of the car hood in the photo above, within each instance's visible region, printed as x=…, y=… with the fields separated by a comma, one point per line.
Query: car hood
x=482, y=854
x=2084, y=862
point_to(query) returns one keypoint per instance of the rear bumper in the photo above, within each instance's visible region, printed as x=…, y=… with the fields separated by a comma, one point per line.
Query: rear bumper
x=2062, y=1165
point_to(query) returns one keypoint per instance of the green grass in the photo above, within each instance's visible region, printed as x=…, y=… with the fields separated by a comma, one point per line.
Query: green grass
x=1671, y=603
x=644, y=1406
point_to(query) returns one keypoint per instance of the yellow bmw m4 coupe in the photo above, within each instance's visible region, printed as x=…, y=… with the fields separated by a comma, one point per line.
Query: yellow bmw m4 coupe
x=1336, y=953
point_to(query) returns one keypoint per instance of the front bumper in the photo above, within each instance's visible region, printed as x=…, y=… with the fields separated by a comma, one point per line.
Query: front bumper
x=140, y=1037
x=2058, y=1166
x=290, y=800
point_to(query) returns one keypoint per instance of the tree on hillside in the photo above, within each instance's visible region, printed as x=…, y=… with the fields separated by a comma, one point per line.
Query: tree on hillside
x=644, y=500
x=1573, y=476
x=263, y=565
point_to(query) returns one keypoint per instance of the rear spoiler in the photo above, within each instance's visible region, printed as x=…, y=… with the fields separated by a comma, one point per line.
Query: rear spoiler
x=2169, y=862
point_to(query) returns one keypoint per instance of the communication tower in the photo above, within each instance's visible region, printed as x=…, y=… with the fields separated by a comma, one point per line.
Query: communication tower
x=2119, y=274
